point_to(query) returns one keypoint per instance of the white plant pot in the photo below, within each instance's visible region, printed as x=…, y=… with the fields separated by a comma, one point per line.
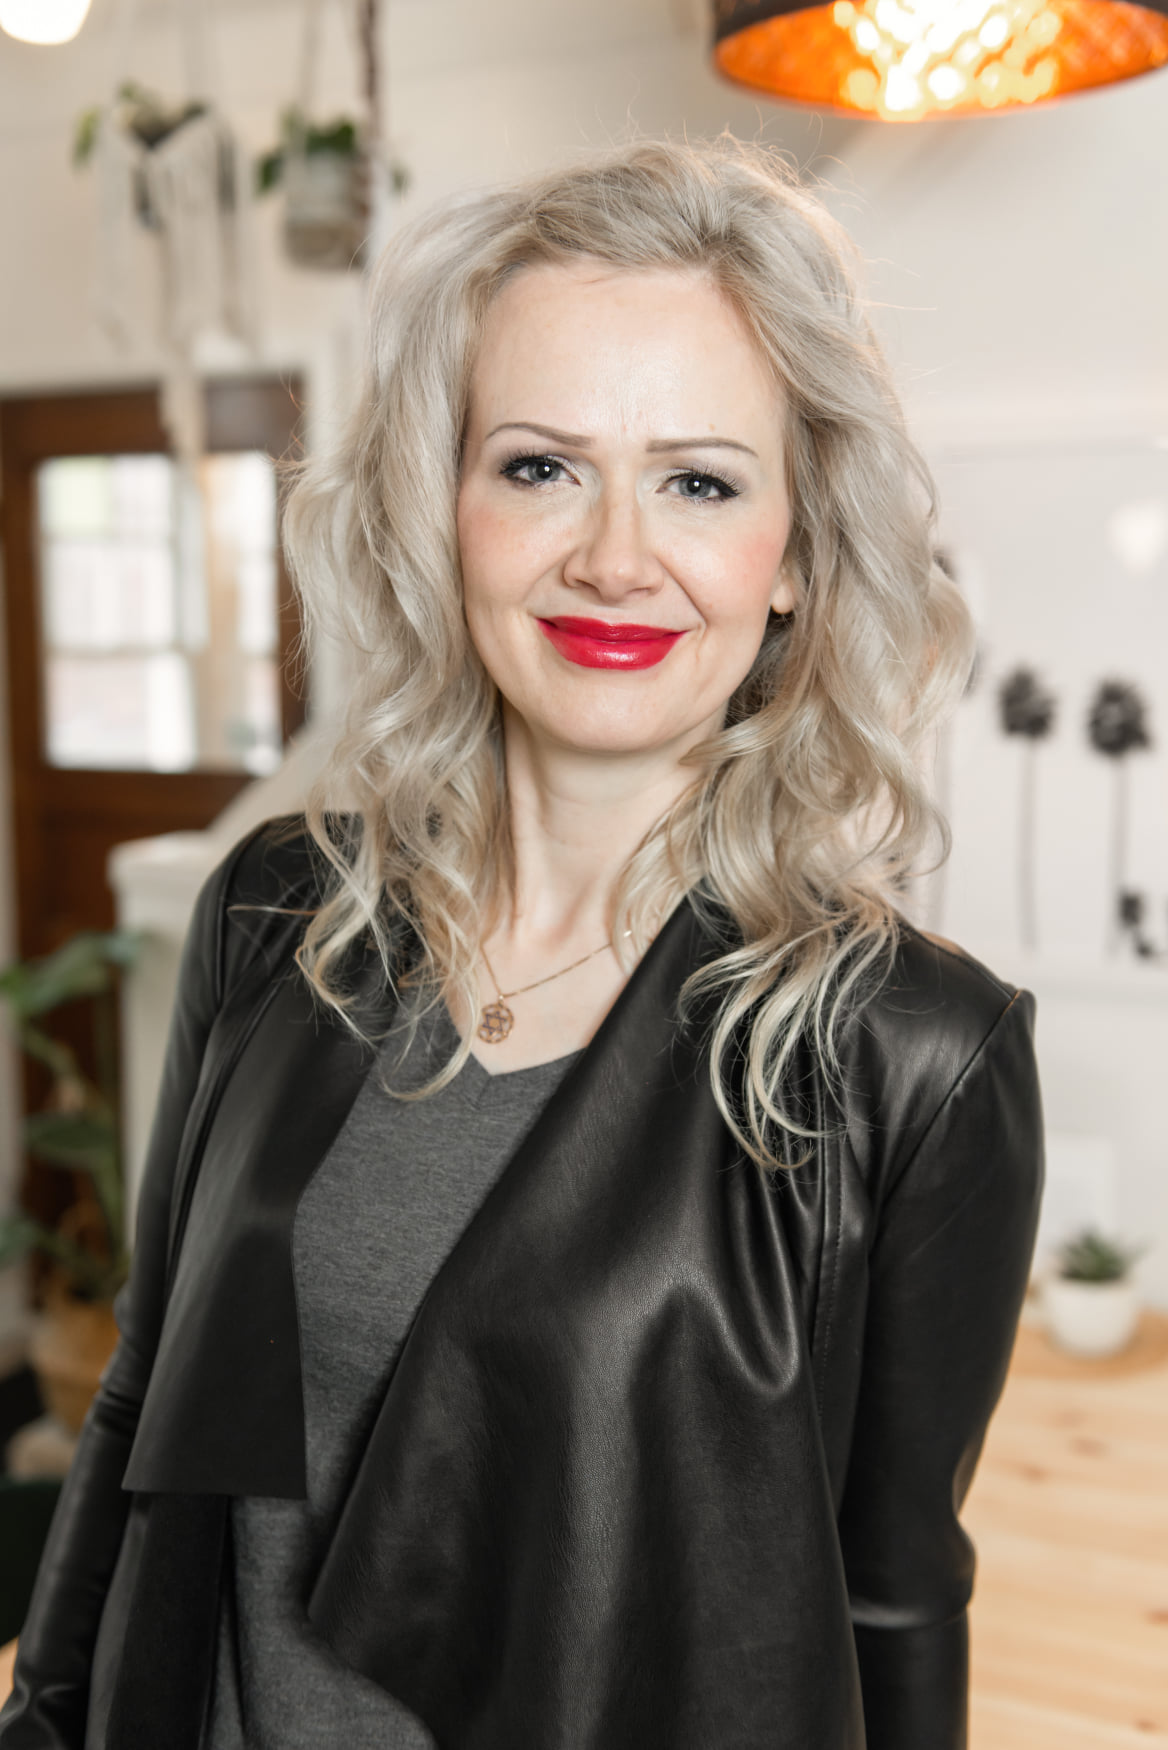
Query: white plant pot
x=1090, y=1318
x=325, y=216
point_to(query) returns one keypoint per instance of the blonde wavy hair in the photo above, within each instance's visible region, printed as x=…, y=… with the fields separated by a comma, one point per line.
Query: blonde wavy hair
x=808, y=808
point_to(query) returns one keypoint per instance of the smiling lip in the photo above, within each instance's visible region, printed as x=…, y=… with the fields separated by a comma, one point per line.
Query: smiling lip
x=609, y=644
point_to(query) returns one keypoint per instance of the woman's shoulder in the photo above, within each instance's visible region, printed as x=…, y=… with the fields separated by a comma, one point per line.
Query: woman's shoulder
x=940, y=1020
x=259, y=897
x=936, y=988
x=277, y=860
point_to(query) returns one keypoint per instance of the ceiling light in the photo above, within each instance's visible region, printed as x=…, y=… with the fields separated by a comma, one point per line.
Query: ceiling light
x=901, y=60
x=43, y=21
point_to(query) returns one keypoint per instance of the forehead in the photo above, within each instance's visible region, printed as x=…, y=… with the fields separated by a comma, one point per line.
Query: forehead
x=582, y=345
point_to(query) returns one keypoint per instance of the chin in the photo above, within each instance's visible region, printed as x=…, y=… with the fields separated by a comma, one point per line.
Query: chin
x=609, y=740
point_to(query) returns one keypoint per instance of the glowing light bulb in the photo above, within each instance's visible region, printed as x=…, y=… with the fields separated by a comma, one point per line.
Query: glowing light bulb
x=861, y=88
x=43, y=21
x=901, y=91
x=946, y=83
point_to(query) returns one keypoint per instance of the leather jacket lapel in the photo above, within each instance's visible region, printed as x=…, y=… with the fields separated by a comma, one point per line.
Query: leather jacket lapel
x=223, y=1412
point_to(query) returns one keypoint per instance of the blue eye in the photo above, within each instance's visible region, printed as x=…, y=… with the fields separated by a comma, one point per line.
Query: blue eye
x=703, y=488
x=532, y=470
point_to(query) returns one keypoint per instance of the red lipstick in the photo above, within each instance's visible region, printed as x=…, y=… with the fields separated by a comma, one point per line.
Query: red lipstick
x=608, y=643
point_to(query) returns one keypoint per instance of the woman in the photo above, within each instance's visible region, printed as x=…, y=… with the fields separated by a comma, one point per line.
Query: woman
x=585, y=1223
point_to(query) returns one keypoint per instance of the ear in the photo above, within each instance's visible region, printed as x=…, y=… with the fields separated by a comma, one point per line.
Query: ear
x=783, y=594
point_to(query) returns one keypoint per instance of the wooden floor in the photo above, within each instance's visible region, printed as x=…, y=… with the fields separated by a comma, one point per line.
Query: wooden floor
x=1069, y=1511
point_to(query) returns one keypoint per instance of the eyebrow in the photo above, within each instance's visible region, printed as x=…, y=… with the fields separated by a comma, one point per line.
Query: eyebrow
x=658, y=446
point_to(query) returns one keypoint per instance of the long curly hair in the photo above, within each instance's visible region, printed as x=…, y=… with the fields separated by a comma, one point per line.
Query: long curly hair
x=808, y=808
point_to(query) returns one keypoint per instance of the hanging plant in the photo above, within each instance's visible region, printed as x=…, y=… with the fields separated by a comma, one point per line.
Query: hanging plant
x=323, y=170
x=1117, y=725
x=138, y=112
x=174, y=168
x=1026, y=709
x=146, y=119
x=336, y=139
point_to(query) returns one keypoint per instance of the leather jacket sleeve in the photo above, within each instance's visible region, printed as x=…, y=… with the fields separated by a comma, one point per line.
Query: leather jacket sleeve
x=948, y=1273
x=48, y=1705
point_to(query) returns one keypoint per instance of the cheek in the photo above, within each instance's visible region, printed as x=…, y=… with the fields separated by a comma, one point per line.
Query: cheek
x=744, y=574
x=762, y=555
x=499, y=552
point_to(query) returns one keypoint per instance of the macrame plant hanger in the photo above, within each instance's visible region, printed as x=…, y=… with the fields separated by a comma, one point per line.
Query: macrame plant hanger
x=191, y=190
x=335, y=207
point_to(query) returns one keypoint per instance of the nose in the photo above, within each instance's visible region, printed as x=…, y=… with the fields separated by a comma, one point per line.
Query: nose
x=614, y=556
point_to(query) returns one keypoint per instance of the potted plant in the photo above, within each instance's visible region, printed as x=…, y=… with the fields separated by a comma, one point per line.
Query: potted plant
x=76, y=1130
x=150, y=120
x=1090, y=1301
x=323, y=169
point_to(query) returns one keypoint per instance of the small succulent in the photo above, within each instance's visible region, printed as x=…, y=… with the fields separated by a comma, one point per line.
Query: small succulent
x=1117, y=722
x=1025, y=706
x=1090, y=1257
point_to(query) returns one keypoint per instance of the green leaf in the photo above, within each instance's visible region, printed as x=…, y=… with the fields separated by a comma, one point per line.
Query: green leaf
x=92, y=1277
x=71, y=1139
x=84, y=1142
x=19, y=1234
x=57, y=1057
x=269, y=170
x=85, y=135
x=82, y=966
x=339, y=137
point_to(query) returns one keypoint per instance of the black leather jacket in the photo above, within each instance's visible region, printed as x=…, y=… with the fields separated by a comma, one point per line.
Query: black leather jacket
x=669, y=1459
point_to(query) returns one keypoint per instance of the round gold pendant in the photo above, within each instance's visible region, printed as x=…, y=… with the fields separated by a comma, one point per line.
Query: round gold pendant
x=496, y=1022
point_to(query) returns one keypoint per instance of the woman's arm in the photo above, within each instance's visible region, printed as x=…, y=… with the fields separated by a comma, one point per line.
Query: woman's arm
x=49, y=1701
x=949, y=1269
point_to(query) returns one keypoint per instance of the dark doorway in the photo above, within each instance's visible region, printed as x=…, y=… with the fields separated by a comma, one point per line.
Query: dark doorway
x=151, y=640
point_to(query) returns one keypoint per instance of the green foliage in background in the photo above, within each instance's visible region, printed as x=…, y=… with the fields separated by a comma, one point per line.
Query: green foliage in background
x=297, y=134
x=78, y=1130
x=140, y=112
x=1091, y=1257
x=340, y=138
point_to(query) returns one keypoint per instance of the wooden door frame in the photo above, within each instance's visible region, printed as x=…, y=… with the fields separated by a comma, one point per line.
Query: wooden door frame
x=242, y=413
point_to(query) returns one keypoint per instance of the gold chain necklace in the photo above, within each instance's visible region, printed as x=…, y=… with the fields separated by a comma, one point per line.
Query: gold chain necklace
x=496, y=1019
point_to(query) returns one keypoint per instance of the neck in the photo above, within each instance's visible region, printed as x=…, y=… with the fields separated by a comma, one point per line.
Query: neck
x=575, y=821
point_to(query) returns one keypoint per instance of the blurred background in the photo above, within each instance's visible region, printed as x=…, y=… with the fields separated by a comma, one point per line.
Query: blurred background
x=188, y=192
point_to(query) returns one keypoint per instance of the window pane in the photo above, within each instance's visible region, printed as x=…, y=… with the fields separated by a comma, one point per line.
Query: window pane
x=121, y=713
x=160, y=613
x=99, y=594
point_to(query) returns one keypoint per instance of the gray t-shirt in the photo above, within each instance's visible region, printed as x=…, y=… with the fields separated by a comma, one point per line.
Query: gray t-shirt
x=381, y=1213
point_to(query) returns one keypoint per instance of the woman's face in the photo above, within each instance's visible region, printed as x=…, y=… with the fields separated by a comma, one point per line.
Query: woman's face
x=623, y=512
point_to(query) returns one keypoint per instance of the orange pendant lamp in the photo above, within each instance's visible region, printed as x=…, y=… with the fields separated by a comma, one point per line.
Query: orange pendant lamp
x=902, y=60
